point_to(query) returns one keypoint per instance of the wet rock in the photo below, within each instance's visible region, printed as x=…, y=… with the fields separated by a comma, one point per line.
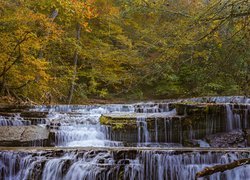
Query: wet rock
x=126, y=126
x=37, y=170
x=134, y=116
x=247, y=136
x=191, y=108
x=129, y=120
x=229, y=139
x=196, y=143
x=14, y=108
x=54, y=125
x=33, y=114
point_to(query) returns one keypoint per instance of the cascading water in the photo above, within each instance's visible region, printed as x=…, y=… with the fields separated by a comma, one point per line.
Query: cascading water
x=84, y=149
x=185, y=166
x=168, y=130
x=223, y=99
x=247, y=116
x=107, y=165
x=230, y=118
x=143, y=134
x=151, y=107
x=156, y=130
x=80, y=126
x=16, y=120
x=234, y=120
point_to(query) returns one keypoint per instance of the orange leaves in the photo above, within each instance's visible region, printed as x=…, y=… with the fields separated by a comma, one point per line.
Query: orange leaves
x=26, y=32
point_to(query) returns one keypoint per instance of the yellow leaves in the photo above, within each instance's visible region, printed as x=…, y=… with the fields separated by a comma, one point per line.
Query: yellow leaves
x=70, y=12
x=200, y=54
x=86, y=26
x=24, y=35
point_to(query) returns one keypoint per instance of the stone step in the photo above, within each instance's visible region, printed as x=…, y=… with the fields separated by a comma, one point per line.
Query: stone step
x=36, y=121
x=24, y=135
x=15, y=108
x=10, y=121
x=194, y=108
x=25, y=114
x=116, y=163
x=29, y=149
x=220, y=99
x=153, y=107
x=191, y=121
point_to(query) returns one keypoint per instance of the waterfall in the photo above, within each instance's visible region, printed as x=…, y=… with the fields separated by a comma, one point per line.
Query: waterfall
x=168, y=129
x=145, y=164
x=234, y=119
x=143, y=133
x=156, y=130
x=152, y=107
x=151, y=141
x=16, y=120
x=230, y=118
x=221, y=99
x=185, y=166
x=79, y=126
x=247, y=116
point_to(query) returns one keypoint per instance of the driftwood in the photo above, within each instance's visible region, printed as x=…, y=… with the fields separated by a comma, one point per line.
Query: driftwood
x=221, y=168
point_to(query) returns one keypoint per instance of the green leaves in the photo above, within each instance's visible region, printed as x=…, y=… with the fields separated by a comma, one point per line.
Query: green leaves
x=128, y=48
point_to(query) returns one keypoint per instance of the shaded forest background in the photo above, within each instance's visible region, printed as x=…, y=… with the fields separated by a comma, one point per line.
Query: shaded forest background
x=68, y=51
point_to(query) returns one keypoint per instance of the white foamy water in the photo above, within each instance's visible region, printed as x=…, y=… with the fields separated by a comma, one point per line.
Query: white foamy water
x=235, y=120
x=16, y=120
x=79, y=126
x=106, y=165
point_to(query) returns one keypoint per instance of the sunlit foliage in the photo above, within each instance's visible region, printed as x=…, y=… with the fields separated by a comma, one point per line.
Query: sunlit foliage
x=125, y=49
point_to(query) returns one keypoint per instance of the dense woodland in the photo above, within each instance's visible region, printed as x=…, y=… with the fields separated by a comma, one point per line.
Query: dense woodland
x=68, y=51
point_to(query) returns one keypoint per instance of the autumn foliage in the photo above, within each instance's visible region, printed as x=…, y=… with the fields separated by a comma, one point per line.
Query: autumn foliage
x=52, y=49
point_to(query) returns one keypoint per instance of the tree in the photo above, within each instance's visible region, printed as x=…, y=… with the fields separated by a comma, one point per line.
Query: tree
x=23, y=32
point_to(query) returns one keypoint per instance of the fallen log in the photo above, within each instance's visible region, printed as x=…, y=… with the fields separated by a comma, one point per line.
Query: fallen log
x=221, y=168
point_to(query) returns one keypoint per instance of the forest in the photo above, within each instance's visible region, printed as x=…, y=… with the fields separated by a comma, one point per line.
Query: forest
x=69, y=51
x=124, y=89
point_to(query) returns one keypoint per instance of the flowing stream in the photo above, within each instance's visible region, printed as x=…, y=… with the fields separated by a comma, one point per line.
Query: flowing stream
x=152, y=148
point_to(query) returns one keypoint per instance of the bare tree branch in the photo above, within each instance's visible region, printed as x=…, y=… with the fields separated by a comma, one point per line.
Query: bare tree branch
x=6, y=69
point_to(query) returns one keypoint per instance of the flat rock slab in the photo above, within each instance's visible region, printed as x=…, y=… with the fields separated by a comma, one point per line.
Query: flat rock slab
x=134, y=116
x=15, y=108
x=128, y=122
x=22, y=134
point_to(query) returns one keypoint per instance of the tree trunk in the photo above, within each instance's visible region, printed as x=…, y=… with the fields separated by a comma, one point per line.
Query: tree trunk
x=52, y=17
x=221, y=168
x=2, y=92
x=72, y=86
